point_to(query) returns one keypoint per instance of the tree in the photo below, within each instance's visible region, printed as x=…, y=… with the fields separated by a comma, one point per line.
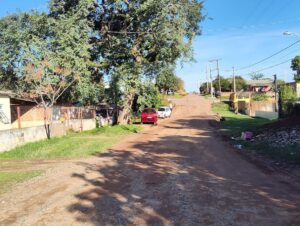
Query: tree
x=239, y=82
x=225, y=84
x=143, y=36
x=166, y=80
x=48, y=60
x=123, y=40
x=179, y=84
x=257, y=76
x=296, y=67
x=287, y=93
x=148, y=96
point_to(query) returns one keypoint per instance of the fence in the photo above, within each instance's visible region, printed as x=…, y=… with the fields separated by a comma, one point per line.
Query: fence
x=28, y=123
x=74, y=118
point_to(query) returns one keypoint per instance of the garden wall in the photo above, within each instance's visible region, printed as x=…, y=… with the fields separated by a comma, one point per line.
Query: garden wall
x=10, y=139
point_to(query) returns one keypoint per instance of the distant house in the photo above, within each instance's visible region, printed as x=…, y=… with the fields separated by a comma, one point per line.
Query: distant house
x=264, y=86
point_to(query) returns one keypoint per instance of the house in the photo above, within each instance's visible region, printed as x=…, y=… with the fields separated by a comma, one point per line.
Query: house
x=5, y=113
x=264, y=86
x=12, y=108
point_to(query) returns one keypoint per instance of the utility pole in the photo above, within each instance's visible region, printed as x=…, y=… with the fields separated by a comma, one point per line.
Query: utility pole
x=275, y=90
x=207, y=79
x=219, y=77
x=234, y=84
x=211, y=86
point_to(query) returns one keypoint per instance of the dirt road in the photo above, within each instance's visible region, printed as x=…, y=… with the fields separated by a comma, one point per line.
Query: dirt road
x=178, y=173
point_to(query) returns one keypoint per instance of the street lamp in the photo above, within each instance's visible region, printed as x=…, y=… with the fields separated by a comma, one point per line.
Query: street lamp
x=291, y=33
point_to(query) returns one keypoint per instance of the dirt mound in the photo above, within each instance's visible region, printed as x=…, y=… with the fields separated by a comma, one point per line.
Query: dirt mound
x=284, y=123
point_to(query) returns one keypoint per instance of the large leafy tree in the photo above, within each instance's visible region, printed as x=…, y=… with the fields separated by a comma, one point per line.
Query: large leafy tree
x=225, y=84
x=166, y=80
x=47, y=61
x=144, y=35
x=240, y=83
x=80, y=41
x=296, y=67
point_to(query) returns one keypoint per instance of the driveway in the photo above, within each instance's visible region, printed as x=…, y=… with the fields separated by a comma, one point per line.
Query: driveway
x=177, y=173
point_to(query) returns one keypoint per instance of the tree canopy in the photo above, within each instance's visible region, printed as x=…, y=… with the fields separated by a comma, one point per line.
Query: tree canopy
x=70, y=51
x=296, y=67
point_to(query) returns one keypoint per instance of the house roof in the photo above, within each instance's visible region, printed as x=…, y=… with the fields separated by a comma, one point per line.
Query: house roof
x=264, y=82
x=13, y=95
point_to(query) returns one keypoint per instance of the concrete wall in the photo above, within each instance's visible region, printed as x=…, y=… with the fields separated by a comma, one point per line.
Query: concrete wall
x=75, y=124
x=262, y=109
x=12, y=138
x=267, y=115
x=5, y=109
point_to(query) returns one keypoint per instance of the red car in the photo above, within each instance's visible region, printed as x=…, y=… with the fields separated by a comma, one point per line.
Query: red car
x=149, y=115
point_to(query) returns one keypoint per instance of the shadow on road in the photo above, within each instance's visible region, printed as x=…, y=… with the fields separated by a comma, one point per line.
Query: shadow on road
x=181, y=180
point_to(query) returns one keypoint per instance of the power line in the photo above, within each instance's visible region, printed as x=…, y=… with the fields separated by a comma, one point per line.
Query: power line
x=269, y=67
x=269, y=57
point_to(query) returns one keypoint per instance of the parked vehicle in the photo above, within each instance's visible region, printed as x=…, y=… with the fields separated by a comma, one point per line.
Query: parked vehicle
x=164, y=112
x=149, y=115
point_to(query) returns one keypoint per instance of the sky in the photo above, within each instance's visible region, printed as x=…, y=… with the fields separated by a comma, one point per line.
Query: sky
x=238, y=32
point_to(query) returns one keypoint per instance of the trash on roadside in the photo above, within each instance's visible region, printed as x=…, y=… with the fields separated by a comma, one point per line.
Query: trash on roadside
x=247, y=135
x=238, y=146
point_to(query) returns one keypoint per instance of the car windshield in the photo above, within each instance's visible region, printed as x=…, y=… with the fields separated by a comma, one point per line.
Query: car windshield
x=149, y=111
x=161, y=109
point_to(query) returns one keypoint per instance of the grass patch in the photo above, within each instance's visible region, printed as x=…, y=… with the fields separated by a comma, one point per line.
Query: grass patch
x=74, y=145
x=9, y=179
x=235, y=124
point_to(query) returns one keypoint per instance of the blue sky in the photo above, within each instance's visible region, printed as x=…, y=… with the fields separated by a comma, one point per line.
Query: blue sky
x=239, y=32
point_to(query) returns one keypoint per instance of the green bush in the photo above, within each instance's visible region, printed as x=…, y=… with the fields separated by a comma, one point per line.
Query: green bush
x=259, y=97
x=287, y=93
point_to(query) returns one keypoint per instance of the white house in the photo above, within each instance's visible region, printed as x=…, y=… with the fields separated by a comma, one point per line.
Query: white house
x=5, y=110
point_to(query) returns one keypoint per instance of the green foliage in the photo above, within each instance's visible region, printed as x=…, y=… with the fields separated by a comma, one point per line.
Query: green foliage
x=257, y=76
x=148, y=96
x=9, y=179
x=280, y=83
x=259, y=97
x=49, y=60
x=296, y=67
x=240, y=83
x=166, y=80
x=287, y=93
x=123, y=40
x=73, y=145
x=225, y=84
x=235, y=124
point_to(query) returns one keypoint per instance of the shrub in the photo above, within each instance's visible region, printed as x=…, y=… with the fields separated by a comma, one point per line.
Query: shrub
x=259, y=97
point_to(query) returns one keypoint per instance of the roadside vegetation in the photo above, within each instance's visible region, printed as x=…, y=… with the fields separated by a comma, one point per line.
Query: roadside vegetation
x=74, y=145
x=9, y=179
x=234, y=124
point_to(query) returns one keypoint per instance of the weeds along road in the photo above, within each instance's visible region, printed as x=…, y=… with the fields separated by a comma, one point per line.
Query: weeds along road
x=177, y=173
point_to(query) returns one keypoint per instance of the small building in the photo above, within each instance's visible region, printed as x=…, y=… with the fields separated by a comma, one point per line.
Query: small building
x=5, y=112
x=263, y=86
x=10, y=109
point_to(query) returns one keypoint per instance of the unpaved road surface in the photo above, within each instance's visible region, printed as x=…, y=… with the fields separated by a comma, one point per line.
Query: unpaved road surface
x=176, y=173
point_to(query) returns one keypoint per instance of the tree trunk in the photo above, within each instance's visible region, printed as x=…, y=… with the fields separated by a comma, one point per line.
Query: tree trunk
x=47, y=123
x=125, y=116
